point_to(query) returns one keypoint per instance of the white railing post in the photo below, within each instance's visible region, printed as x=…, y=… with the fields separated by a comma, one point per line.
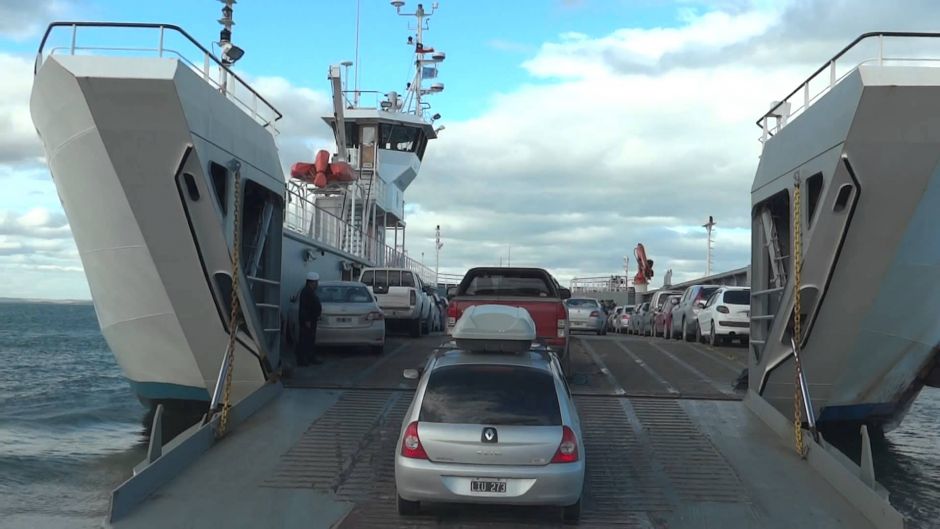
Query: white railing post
x=205, y=67
x=881, y=49
x=74, y=36
x=805, y=96
x=832, y=73
x=160, y=48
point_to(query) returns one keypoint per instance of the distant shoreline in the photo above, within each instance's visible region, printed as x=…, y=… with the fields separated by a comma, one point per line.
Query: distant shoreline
x=50, y=301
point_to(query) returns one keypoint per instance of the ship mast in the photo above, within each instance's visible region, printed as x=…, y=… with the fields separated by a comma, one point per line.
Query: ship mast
x=425, y=68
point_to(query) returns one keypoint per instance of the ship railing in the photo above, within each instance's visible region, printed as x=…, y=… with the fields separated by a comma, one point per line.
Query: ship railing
x=374, y=99
x=583, y=285
x=868, y=48
x=63, y=38
x=304, y=217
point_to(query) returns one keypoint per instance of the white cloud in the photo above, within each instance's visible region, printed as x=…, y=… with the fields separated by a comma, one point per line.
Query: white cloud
x=634, y=136
x=18, y=142
x=24, y=18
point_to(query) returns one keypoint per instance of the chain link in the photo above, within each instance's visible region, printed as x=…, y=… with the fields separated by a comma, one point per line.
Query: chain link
x=233, y=319
x=797, y=333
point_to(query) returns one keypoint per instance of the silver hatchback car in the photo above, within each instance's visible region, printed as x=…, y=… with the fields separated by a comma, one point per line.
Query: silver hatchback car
x=491, y=428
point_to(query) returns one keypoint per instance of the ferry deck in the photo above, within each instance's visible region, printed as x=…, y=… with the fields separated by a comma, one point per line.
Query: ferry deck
x=669, y=443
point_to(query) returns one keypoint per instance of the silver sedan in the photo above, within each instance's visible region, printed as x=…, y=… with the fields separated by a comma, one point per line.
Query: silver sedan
x=489, y=428
x=350, y=316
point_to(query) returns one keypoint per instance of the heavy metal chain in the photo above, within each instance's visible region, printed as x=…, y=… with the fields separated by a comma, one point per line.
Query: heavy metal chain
x=797, y=334
x=233, y=319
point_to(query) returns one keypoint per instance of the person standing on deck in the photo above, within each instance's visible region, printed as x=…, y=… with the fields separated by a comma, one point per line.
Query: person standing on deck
x=309, y=313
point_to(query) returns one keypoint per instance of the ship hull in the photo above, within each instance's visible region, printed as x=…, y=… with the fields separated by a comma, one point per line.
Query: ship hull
x=867, y=156
x=135, y=147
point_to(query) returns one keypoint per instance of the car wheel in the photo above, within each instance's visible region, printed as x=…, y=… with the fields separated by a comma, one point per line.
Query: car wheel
x=415, y=330
x=685, y=331
x=572, y=513
x=712, y=339
x=698, y=333
x=407, y=508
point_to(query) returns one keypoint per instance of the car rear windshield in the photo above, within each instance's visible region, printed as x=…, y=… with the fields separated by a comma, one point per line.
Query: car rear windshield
x=509, y=283
x=343, y=294
x=490, y=394
x=388, y=278
x=628, y=310
x=582, y=303
x=737, y=297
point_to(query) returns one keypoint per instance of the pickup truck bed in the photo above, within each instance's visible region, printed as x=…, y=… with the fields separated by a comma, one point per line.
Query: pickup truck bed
x=533, y=289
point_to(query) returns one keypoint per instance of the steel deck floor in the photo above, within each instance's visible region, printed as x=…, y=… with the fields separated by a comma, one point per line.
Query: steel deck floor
x=667, y=444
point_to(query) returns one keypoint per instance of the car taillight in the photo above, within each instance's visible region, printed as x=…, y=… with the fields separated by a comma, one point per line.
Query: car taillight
x=373, y=316
x=568, y=448
x=452, y=314
x=723, y=309
x=562, y=315
x=595, y=314
x=413, y=299
x=411, y=443
x=625, y=317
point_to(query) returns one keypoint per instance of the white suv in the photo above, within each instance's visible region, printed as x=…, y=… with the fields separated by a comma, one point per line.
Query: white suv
x=402, y=296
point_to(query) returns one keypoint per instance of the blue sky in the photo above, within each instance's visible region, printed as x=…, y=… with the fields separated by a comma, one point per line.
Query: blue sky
x=574, y=128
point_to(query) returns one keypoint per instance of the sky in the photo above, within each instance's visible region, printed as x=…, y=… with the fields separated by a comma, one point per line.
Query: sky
x=575, y=129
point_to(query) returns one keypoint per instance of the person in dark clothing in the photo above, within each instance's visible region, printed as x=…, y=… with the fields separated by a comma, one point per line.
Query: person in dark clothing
x=309, y=313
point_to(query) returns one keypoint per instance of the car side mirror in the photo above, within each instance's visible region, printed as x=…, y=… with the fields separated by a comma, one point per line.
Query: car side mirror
x=564, y=293
x=700, y=304
x=411, y=374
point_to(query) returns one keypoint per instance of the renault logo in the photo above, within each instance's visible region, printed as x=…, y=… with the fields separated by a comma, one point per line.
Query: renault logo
x=489, y=435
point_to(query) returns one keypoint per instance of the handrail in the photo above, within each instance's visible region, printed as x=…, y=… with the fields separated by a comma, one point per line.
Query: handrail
x=147, y=25
x=830, y=64
x=361, y=245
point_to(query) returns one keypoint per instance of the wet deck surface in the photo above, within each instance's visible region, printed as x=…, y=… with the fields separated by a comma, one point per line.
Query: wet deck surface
x=667, y=445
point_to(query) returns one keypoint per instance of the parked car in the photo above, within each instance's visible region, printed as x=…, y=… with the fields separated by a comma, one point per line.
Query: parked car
x=636, y=319
x=656, y=306
x=662, y=322
x=350, y=316
x=586, y=314
x=622, y=325
x=726, y=316
x=685, y=315
x=533, y=289
x=613, y=316
x=486, y=427
x=402, y=296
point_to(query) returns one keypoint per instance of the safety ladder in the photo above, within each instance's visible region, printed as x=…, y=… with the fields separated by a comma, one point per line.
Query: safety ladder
x=778, y=271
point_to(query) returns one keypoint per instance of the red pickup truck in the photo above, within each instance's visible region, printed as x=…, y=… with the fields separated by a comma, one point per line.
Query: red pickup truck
x=533, y=289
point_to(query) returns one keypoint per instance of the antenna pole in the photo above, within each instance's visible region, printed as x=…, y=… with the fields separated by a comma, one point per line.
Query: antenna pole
x=356, y=72
x=709, y=226
x=419, y=14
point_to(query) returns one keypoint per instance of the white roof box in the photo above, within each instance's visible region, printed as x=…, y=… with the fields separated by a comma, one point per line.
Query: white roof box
x=494, y=329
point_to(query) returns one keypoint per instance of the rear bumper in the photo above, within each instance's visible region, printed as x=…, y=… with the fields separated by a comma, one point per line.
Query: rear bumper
x=371, y=335
x=552, y=484
x=737, y=328
x=401, y=313
x=591, y=324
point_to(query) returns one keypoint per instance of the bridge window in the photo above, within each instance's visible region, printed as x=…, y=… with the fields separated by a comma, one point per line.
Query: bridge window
x=401, y=138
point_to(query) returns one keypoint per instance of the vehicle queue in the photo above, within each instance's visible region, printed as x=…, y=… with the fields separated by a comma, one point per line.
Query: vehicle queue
x=492, y=419
x=713, y=314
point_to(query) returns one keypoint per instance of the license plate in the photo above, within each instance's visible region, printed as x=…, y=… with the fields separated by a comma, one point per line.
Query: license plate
x=488, y=486
x=342, y=319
